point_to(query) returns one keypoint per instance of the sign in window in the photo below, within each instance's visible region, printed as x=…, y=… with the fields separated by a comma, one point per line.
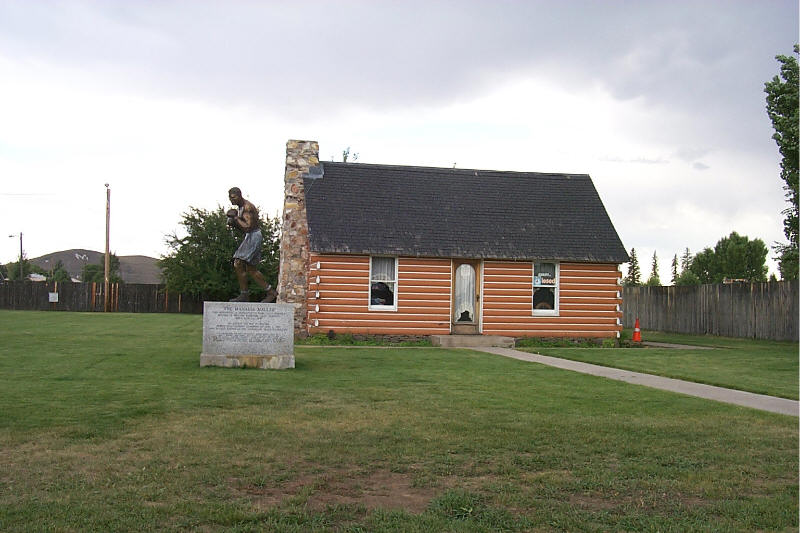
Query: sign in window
x=545, y=288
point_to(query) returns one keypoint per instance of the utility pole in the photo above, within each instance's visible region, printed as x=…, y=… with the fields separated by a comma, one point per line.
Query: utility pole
x=107, y=263
x=21, y=272
x=20, y=257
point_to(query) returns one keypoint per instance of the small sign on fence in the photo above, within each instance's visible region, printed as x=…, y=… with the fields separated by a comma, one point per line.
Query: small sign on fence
x=52, y=297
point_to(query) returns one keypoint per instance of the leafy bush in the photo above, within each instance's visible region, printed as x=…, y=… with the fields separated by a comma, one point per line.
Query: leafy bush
x=201, y=263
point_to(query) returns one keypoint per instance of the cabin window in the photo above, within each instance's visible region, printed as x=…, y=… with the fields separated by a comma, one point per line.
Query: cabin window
x=383, y=283
x=545, y=288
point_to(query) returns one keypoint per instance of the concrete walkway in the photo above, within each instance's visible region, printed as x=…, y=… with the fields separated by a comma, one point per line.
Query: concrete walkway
x=709, y=392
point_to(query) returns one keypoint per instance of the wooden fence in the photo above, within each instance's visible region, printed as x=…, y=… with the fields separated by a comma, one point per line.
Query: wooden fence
x=754, y=310
x=123, y=297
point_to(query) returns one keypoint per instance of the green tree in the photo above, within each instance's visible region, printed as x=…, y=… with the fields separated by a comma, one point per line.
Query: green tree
x=346, y=155
x=28, y=268
x=633, y=278
x=674, y=269
x=687, y=278
x=201, y=262
x=734, y=257
x=654, y=280
x=782, y=108
x=686, y=260
x=96, y=272
x=59, y=273
x=788, y=258
x=12, y=270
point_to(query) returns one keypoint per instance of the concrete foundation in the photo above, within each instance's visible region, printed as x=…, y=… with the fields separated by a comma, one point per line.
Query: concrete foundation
x=471, y=341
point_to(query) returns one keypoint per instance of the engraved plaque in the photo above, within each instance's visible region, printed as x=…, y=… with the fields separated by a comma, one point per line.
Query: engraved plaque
x=248, y=334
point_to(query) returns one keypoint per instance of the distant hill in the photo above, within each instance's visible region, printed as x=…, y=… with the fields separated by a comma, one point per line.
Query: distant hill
x=133, y=268
x=139, y=269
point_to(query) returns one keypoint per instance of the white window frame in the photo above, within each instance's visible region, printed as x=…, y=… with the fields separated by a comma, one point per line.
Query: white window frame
x=556, y=290
x=370, y=305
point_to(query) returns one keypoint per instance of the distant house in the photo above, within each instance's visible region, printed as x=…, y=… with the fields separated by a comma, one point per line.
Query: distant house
x=398, y=250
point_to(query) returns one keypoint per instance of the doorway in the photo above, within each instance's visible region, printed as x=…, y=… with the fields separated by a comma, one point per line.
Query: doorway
x=466, y=297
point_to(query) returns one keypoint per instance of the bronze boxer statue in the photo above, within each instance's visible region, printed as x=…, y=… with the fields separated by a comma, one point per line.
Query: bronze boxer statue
x=248, y=255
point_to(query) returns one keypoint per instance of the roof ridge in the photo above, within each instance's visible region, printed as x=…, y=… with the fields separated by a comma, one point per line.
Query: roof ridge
x=454, y=170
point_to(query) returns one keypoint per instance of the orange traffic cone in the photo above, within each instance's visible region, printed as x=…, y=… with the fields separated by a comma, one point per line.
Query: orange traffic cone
x=637, y=333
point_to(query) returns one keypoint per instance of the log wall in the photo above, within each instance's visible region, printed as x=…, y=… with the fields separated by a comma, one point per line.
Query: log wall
x=589, y=300
x=338, y=297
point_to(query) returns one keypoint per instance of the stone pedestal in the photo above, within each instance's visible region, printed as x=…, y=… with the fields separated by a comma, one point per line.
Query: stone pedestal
x=248, y=334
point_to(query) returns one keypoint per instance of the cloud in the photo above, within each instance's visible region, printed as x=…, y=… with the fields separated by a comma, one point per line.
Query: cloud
x=638, y=160
x=692, y=153
x=323, y=57
x=184, y=97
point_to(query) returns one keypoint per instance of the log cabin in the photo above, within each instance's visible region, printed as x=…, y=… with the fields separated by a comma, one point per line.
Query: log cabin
x=417, y=251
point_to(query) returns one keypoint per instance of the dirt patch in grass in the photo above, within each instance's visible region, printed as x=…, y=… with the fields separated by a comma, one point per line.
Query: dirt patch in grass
x=378, y=489
x=601, y=502
x=592, y=502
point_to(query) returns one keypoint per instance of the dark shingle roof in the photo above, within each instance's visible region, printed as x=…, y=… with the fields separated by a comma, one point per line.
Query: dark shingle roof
x=440, y=212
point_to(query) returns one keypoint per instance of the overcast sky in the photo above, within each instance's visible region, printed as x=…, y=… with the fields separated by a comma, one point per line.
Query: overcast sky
x=174, y=102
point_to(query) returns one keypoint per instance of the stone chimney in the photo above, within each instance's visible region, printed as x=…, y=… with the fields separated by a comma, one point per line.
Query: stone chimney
x=292, y=279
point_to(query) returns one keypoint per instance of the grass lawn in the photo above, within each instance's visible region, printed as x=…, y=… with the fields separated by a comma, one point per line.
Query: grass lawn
x=764, y=367
x=107, y=423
